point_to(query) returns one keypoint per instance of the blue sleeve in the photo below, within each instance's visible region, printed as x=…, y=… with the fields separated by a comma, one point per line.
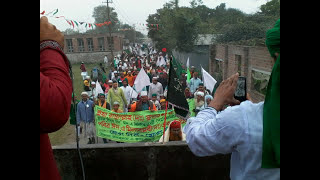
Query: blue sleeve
x=210, y=133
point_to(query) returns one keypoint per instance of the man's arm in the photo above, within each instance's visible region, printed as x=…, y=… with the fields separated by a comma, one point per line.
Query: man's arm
x=55, y=90
x=208, y=134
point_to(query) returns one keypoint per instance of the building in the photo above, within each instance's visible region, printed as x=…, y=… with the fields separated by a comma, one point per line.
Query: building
x=200, y=55
x=252, y=62
x=91, y=48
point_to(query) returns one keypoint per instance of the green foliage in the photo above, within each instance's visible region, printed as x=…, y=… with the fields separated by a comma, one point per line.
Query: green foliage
x=180, y=26
x=100, y=14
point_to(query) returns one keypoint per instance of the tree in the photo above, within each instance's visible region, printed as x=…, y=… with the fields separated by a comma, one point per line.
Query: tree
x=100, y=14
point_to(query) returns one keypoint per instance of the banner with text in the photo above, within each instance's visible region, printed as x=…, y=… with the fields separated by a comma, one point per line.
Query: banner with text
x=142, y=126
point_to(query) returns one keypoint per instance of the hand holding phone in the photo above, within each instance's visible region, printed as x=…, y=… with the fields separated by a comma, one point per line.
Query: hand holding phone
x=241, y=90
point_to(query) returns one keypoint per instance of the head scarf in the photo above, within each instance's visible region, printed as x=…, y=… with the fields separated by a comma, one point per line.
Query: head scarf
x=271, y=109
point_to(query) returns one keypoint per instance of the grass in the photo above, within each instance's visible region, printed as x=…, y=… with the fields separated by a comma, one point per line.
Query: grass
x=67, y=135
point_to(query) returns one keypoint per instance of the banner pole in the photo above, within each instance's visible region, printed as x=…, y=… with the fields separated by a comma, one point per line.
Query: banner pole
x=165, y=118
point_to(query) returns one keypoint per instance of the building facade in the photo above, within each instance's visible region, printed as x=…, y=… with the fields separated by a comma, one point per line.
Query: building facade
x=252, y=62
x=91, y=48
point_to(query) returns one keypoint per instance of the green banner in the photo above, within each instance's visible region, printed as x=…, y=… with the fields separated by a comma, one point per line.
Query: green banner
x=142, y=126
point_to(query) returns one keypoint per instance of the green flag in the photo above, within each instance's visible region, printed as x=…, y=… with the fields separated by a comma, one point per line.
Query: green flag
x=188, y=75
x=177, y=66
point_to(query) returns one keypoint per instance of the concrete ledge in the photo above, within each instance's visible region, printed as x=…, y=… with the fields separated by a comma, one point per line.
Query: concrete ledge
x=143, y=161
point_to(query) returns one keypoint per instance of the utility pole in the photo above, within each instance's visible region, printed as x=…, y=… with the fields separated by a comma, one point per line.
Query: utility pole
x=109, y=27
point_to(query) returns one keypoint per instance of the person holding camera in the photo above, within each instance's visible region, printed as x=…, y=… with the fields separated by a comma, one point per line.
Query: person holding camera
x=249, y=131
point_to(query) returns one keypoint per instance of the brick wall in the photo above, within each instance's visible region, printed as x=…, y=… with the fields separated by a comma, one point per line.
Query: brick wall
x=96, y=55
x=251, y=59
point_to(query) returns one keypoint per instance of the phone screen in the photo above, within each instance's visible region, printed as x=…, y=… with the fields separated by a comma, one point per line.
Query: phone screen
x=240, y=93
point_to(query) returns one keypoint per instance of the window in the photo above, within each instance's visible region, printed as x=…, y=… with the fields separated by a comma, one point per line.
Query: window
x=69, y=45
x=110, y=43
x=238, y=61
x=101, y=43
x=80, y=45
x=90, y=44
x=259, y=80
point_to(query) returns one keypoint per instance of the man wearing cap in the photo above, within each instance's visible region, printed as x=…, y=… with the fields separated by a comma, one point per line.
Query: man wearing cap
x=127, y=90
x=108, y=87
x=92, y=94
x=249, y=131
x=143, y=104
x=155, y=88
x=173, y=133
x=117, y=94
x=199, y=102
x=85, y=117
x=201, y=88
x=115, y=107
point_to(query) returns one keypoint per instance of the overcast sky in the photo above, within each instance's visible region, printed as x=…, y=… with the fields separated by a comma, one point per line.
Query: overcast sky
x=129, y=11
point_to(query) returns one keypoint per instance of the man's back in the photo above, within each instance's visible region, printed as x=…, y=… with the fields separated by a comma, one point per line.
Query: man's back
x=236, y=130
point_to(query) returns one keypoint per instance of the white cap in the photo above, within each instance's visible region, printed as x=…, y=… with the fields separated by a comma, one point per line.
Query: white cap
x=109, y=81
x=144, y=93
x=84, y=93
x=200, y=93
x=87, y=77
x=116, y=102
x=93, y=83
x=114, y=71
x=156, y=78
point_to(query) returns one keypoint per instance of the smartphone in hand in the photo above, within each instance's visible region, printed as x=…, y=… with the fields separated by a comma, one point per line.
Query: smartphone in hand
x=241, y=91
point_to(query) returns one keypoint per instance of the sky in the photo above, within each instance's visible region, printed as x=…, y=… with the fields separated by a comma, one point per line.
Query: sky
x=132, y=12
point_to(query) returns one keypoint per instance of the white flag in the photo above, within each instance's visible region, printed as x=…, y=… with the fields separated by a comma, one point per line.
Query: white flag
x=208, y=81
x=188, y=63
x=141, y=81
x=98, y=88
x=161, y=61
x=134, y=94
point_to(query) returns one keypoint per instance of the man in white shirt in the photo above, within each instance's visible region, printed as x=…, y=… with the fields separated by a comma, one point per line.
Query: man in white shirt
x=127, y=90
x=155, y=88
x=237, y=130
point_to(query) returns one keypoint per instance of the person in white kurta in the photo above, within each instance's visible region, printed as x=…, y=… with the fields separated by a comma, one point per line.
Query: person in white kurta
x=106, y=61
x=127, y=90
x=155, y=88
x=237, y=130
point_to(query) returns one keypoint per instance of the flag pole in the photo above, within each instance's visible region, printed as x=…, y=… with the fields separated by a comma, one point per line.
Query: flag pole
x=165, y=122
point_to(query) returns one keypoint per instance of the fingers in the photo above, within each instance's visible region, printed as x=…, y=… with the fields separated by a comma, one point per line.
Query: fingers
x=234, y=79
x=44, y=19
x=234, y=102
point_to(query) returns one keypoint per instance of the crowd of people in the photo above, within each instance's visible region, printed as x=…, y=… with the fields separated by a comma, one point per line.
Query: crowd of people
x=119, y=91
x=249, y=131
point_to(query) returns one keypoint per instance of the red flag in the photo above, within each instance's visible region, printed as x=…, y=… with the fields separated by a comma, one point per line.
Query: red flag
x=72, y=24
x=164, y=49
x=42, y=12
